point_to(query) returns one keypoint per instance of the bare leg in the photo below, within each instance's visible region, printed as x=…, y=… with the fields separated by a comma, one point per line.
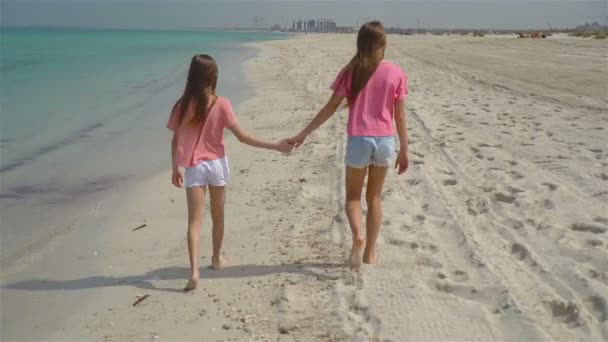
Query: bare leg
x=196, y=199
x=373, y=196
x=218, y=197
x=354, y=186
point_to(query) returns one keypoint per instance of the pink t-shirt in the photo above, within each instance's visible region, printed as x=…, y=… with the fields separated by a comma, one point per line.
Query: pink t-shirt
x=372, y=112
x=193, y=145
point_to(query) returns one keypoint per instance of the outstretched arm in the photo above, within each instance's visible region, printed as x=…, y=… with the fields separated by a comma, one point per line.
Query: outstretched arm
x=324, y=114
x=250, y=140
x=402, y=161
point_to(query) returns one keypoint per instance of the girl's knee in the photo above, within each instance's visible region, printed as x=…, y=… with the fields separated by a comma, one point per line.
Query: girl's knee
x=373, y=198
x=353, y=196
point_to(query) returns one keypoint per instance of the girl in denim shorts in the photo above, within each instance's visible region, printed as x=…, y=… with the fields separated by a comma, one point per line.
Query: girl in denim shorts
x=375, y=91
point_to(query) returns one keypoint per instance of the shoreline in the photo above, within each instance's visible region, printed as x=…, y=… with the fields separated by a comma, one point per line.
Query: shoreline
x=61, y=202
x=75, y=240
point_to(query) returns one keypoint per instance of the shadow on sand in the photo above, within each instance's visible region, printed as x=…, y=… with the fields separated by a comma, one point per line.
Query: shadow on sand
x=176, y=273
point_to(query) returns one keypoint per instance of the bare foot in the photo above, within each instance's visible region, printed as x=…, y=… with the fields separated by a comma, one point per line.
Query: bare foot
x=218, y=263
x=355, y=254
x=192, y=283
x=370, y=257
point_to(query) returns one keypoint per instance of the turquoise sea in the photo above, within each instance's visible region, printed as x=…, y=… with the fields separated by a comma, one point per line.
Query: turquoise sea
x=84, y=111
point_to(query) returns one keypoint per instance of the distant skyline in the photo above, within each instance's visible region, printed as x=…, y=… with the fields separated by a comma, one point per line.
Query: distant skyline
x=191, y=14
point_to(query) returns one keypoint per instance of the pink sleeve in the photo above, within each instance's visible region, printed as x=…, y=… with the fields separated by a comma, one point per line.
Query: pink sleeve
x=229, y=117
x=173, y=123
x=340, y=84
x=401, y=90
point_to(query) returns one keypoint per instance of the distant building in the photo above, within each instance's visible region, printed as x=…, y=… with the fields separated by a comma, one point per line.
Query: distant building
x=314, y=25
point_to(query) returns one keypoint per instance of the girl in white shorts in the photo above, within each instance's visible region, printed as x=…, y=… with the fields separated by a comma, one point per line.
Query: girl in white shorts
x=198, y=120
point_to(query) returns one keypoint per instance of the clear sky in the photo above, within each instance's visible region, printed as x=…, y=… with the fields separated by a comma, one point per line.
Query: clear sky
x=193, y=14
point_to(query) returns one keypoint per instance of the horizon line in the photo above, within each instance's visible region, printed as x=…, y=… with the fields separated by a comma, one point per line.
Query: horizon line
x=244, y=28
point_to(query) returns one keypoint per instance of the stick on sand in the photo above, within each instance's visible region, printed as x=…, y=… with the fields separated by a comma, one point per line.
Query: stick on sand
x=141, y=299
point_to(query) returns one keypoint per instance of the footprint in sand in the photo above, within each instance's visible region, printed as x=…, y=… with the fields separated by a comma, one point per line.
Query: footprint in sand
x=413, y=182
x=516, y=175
x=519, y=251
x=600, y=219
x=515, y=190
x=598, y=307
x=460, y=276
x=504, y=198
x=407, y=228
x=602, y=176
x=516, y=224
x=396, y=242
x=476, y=206
x=594, y=242
x=548, y=204
x=588, y=227
x=427, y=261
x=427, y=246
x=450, y=182
x=562, y=312
x=551, y=186
x=462, y=291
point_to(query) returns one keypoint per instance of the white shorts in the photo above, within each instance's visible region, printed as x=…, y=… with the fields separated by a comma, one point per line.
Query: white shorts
x=208, y=172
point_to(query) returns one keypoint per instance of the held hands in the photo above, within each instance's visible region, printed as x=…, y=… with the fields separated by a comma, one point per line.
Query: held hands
x=402, y=162
x=296, y=141
x=287, y=146
x=177, y=179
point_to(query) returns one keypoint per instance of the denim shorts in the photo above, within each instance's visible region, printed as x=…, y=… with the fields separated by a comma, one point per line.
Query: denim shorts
x=364, y=151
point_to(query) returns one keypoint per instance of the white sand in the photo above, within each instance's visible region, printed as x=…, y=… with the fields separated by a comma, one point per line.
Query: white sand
x=497, y=232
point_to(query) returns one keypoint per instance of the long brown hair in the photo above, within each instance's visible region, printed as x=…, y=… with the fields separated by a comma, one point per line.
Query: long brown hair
x=371, y=41
x=201, y=84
